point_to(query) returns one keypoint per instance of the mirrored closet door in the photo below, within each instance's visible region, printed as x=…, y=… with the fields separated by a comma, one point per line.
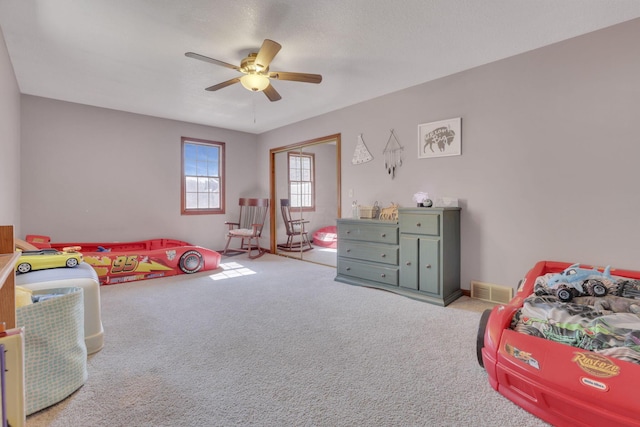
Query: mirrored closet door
x=305, y=186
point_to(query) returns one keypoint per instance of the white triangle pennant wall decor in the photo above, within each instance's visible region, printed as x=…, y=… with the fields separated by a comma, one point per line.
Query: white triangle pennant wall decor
x=361, y=154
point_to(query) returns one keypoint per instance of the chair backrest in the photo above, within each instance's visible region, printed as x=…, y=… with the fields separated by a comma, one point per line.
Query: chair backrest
x=253, y=211
x=286, y=215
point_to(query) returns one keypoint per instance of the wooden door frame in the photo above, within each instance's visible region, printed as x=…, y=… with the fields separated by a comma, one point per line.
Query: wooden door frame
x=272, y=178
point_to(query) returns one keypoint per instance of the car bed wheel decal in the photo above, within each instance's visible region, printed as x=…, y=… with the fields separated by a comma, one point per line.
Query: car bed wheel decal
x=191, y=262
x=72, y=262
x=482, y=327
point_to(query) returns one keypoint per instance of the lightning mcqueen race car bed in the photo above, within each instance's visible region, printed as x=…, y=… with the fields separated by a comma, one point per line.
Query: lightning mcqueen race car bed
x=566, y=350
x=146, y=259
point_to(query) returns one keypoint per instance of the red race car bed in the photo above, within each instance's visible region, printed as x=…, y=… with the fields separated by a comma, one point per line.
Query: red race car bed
x=567, y=347
x=146, y=259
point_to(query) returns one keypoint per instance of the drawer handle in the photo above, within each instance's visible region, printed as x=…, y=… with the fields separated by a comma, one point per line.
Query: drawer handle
x=384, y=235
x=408, y=262
x=418, y=225
x=428, y=265
x=348, y=231
x=383, y=255
x=348, y=250
x=348, y=268
x=383, y=275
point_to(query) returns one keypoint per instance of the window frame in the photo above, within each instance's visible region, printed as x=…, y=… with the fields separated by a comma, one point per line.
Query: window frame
x=312, y=156
x=183, y=177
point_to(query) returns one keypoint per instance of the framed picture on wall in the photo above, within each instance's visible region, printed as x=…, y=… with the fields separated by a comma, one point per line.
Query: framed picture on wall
x=440, y=139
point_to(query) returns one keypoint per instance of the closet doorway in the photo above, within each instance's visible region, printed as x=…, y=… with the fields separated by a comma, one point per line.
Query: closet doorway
x=307, y=174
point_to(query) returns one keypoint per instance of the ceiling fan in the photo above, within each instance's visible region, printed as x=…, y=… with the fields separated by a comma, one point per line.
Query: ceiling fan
x=255, y=68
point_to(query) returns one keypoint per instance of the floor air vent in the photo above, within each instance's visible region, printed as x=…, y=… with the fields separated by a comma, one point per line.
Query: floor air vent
x=490, y=292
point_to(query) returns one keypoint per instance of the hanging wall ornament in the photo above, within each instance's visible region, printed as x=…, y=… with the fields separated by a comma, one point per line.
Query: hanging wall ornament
x=392, y=155
x=361, y=154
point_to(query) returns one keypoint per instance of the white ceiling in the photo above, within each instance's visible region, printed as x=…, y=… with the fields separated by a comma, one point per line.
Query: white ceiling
x=129, y=54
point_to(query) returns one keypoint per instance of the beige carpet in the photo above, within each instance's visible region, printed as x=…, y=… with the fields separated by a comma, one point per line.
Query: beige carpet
x=277, y=342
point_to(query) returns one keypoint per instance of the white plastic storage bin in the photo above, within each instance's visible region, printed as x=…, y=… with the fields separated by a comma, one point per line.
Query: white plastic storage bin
x=82, y=276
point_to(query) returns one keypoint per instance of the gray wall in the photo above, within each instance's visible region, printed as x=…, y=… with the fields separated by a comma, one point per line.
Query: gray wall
x=549, y=154
x=9, y=142
x=548, y=165
x=93, y=174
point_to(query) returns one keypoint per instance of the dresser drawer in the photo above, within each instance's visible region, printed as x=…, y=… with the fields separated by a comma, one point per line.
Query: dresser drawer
x=387, y=254
x=369, y=232
x=420, y=224
x=366, y=271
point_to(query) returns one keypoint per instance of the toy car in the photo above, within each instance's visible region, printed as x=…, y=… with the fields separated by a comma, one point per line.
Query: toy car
x=46, y=258
x=569, y=363
x=575, y=281
x=117, y=262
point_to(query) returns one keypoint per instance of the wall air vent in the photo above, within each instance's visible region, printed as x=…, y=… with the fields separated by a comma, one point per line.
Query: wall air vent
x=490, y=292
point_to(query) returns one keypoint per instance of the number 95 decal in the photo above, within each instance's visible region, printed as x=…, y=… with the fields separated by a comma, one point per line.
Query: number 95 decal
x=124, y=264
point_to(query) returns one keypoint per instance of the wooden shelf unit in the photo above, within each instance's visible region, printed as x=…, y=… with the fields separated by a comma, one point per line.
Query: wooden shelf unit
x=8, y=257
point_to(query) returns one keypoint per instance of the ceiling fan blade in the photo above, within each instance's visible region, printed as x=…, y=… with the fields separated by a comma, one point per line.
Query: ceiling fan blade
x=272, y=93
x=267, y=52
x=223, y=84
x=211, y=60
x=296, y=77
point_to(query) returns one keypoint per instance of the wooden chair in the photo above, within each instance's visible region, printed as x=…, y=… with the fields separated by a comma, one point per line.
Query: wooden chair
x=249, y=227
x=295, y=228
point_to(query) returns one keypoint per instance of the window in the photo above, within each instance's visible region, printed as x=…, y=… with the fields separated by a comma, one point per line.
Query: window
x=301, y=181
x=202, y=177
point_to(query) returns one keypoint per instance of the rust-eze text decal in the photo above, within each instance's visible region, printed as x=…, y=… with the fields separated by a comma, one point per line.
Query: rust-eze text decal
x=596, y=365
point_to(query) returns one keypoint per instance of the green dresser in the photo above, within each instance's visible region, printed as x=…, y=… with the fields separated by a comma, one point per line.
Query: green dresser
x=430, y=253
x=368, y=252
x=418, y=257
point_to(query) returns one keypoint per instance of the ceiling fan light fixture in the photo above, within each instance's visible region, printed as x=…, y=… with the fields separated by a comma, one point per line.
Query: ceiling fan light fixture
x=256, y=76
x=255, y=82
